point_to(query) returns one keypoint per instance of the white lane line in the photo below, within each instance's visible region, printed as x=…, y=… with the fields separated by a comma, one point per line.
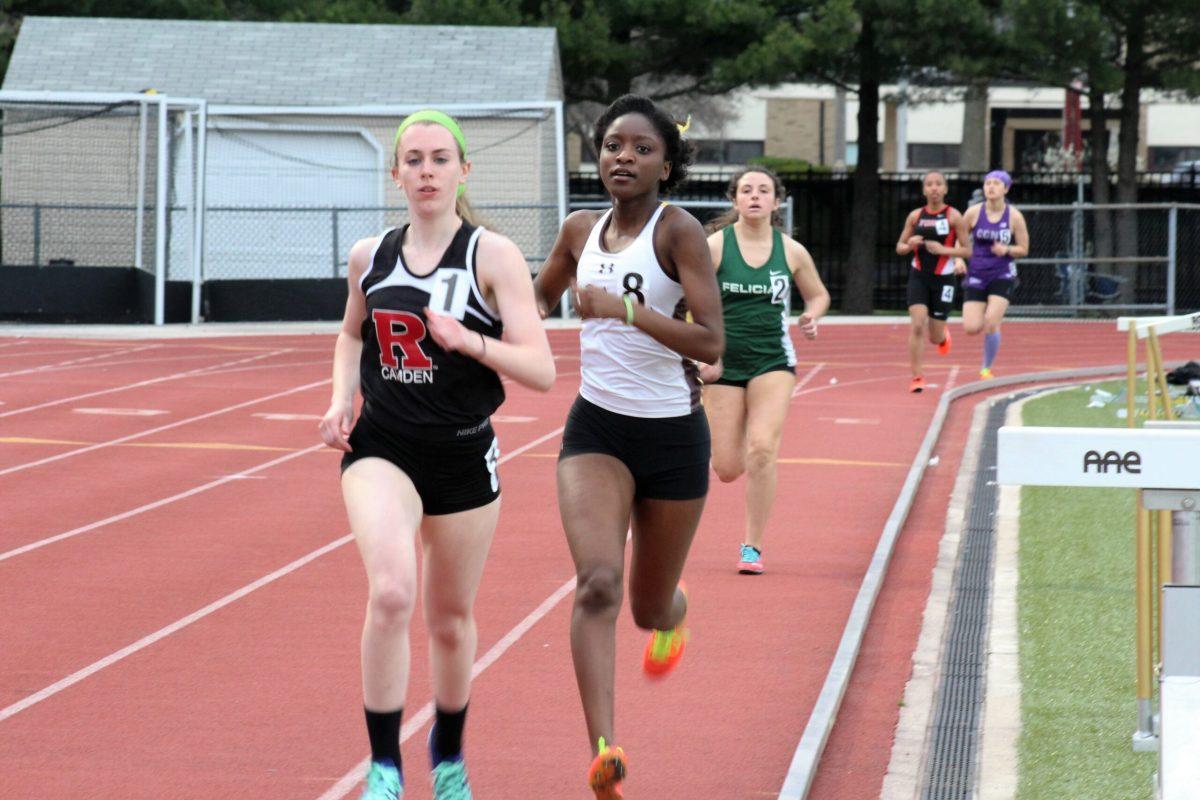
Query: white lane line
x=146, y=641
x=812, y=373
x=133, y=512
x=352, y=778
x=75, y=362
x=195, y=616
x=898, y=379
x=198, y=371
x=121, y=412
x=160, y=428
x=286, y=417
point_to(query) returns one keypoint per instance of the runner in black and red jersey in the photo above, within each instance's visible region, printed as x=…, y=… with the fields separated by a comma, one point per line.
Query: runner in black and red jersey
x=934, y=235
x=437, y=311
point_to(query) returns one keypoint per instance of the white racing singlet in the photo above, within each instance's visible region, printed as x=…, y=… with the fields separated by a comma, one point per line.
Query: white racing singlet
x=623, y=369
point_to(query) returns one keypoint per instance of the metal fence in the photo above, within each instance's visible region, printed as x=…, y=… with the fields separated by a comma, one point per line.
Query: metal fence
x=287, y=243
x=821, y=220
x=89, y=179
x=193, y=191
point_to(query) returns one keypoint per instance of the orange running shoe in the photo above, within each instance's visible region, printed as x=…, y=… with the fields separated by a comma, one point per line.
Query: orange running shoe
x=607, y=772
x=986, y=374
x=944, y=345
x=917, y=384
x=665, y=648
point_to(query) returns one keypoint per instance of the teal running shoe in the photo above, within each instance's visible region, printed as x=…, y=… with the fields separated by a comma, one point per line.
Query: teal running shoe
x=751, y=563
x=383, y=782
x=450, y=781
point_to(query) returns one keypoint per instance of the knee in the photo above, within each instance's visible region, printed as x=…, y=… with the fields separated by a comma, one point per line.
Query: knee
x=450, y=629
x=760, y=455
x=728, y=469
x=972, y=328
x=598, y=591
x=390, y=604
x=917, y=328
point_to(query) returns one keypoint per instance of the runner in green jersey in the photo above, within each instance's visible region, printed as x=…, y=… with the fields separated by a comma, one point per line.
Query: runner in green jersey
x=748, y=391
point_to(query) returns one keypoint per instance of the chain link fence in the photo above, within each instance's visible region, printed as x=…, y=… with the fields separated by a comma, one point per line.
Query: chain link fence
x=282, y=193
x=81, y=181
x=290, y=194
x=1088, y=258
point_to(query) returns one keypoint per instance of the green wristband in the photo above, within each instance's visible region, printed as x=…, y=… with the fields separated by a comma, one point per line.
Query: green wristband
x=628, y=309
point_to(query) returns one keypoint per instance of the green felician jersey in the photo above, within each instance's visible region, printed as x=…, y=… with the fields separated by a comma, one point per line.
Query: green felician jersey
x=756, y=302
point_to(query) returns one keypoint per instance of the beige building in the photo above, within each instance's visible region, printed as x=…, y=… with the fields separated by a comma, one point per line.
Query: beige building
x=804, y=121
x=299, y=139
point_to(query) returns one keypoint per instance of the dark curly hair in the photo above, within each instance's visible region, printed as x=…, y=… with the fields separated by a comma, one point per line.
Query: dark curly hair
x=679, y=150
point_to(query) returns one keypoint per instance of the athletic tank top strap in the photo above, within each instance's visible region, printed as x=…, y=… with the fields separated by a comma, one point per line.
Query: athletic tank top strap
x=732, y=259
x=623, y=369
x=640, y=249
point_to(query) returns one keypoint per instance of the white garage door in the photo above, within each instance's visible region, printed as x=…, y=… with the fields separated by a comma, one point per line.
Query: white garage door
x=274, y=196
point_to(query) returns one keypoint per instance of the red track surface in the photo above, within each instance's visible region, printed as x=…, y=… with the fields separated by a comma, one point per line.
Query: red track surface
x=259, y=697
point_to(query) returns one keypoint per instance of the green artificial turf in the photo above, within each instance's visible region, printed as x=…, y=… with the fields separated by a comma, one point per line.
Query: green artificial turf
x=1076, y=612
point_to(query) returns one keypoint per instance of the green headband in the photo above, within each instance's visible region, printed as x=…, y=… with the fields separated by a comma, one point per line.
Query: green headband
x=438, y=118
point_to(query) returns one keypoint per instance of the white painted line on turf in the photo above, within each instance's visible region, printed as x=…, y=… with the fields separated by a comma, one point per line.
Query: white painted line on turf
x=286, y=417
x=850, y=420
x=74, y=362
x=161, y=633
x=121, y=412
x=508, y=418
x=160, y=428
x=198, y=371
x=133, y=512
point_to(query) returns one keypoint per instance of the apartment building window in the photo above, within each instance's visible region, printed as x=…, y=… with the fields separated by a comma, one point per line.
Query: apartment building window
x=727, y=151
x=921, y=156
x=1164, y=159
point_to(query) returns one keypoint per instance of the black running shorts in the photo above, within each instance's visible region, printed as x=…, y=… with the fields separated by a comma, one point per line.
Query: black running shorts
x=1001, y=287
x=450, y=475
x=935, y=292
x=667, y=456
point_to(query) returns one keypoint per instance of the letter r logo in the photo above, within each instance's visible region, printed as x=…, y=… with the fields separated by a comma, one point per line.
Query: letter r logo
x=404, y=330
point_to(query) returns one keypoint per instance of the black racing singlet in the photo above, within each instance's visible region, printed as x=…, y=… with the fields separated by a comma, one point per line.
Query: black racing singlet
x=935, y=228
x=409, y=383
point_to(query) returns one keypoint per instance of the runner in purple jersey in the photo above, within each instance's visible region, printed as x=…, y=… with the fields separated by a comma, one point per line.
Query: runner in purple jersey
x=998, y=236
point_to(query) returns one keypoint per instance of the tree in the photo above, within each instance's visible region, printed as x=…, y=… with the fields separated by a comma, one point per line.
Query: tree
x=1159, y=42
x=860, y=45
x=1114, y=47
x=683, y=53
x=1060, y=42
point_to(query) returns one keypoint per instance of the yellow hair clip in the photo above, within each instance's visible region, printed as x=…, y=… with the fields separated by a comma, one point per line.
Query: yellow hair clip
x=683, y=127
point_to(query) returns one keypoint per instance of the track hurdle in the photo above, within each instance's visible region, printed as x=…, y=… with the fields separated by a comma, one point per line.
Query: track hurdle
x=1153, y=531
x=1163, y=462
